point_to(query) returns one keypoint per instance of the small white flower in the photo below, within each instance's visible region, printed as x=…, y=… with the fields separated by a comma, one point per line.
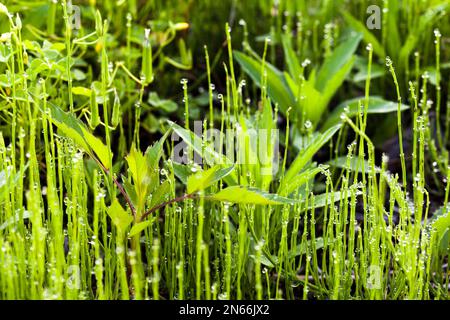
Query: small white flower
x=437, y=33
x=5, y=37
x=306, y=63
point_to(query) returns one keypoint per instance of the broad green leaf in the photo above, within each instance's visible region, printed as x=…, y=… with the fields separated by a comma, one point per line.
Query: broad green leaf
x=160, y=194
x=334, y=83
x=368, y=36
x=143, y=178
x=312, y=104
x=81, y=91
x=333, y=64
x=5, y=81
x=220, y=174
x=203, y=179
x=131, y=191
x=102, y=151
x=293, y=86
x=301, y=248
x=306, y=155
x=266, y=262
x=77, y=131
x=444, y=243
x=182, y=172
x=377, y=105
x=78, y=74
x=166, y=105
x=355, y=164
x=441, y=221
x=38, y=66
x=432, y=72
x=300, y=180
x=325, y=199
x=69, y=126
x=139, y=227
x=393, y=38
x=376, y=71
x=248, y=142
x=277, y=87
x=290, y=56
x=137, y=164
x=154, y=152
x=5, y=54
x=248, y=195
x=207, y=152
x=120, y=218
x=312, y=76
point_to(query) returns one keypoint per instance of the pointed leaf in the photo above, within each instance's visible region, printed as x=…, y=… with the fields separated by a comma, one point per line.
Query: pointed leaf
x=306, y=155
x=130, y=190
x=139, y=227
x=340, y=57
x=166, y=105
x=182, y=172
x=69, y=126
x=301, y=248
x=160, y=194
x=441, y=221
x=335, y=82
x=77, y=131
x=325, y=199
x=300, y=180
x=392, y=18
x=292, y=62
x=142, y=177
x=377, y=70
x=247, y=195
x=203, y=179
x=102, y=151
x=137, y=164
x=376, y=105
x=120, y=218
x=154, y=152
x=368, y=36
x=277, y=87
x=355, y=164
x=207, y=152
x=266, y=262
x=312, y=104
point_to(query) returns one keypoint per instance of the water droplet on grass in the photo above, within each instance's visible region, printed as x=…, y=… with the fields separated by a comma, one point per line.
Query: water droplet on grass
x=308, y=124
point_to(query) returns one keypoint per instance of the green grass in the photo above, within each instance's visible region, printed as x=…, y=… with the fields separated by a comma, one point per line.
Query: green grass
x=93, y=205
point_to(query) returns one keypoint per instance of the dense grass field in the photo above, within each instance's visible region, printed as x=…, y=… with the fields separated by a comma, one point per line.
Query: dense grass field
x=204, y=149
